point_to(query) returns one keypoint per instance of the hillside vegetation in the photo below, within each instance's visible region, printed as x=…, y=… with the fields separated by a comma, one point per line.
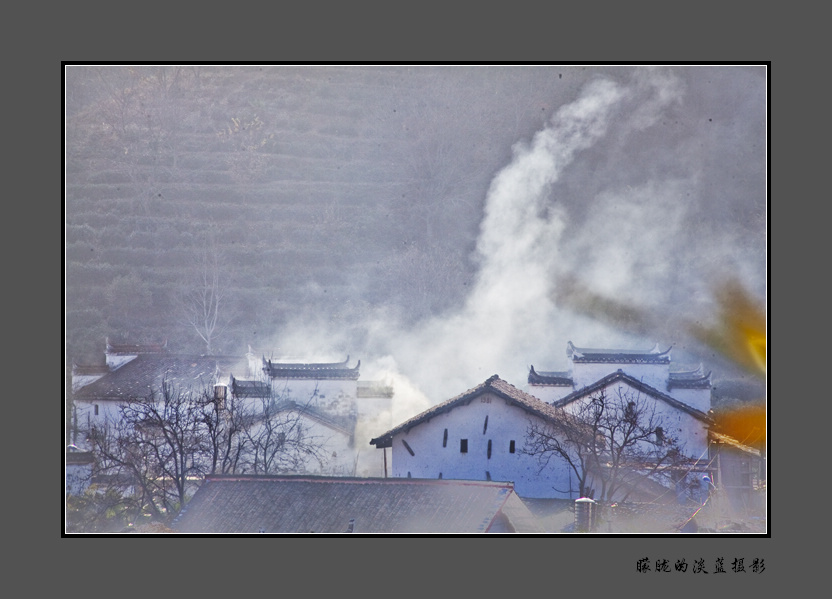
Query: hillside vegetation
x=326, y=192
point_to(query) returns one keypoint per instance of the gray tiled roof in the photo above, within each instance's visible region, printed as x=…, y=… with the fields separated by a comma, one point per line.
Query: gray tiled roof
x=312, y=371
x=145, y=373
x=618, y=356
x=692, y=379
x=558, y=379
x=495, y=385
x=304, y=504
x=250, y=389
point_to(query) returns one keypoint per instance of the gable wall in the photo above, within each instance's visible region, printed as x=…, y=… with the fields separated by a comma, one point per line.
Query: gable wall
x=655, y=375
x=691, y=432
x=695, y=398
x=505, y=423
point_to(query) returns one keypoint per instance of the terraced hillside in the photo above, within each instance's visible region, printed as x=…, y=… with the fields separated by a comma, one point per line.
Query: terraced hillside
x=327, y=191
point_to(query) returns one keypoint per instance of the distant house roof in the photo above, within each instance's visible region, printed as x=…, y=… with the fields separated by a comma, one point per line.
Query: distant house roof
x=551, y=378
x=617, y=356
x=495, y=385
x=313, y=371
x=307, y=504
x=691, y=379
x=621, y=376
x=250, y=389
x=145, y=373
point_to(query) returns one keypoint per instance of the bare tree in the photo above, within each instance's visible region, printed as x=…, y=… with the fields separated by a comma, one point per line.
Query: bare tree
x=280, y=441
x=226, y=420
x=206, y=304
x=154, y=450
x=153, y=454
x=611, y=442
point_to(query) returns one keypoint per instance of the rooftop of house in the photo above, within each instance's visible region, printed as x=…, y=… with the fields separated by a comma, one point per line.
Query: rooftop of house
x=585, y=355
x=551, y=378
x=494, y=384
x=313, y=504
x=144, y=375
x=689, y=379
x=250, y=389
x=312, y=370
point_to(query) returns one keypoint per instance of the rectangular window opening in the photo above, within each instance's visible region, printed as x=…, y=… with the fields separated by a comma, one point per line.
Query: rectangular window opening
x=489, y=449
x=511, y=446
x=445, y=439
x=463, y=446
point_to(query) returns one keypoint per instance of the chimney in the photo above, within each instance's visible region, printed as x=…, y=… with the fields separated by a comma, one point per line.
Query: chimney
x=220, y=392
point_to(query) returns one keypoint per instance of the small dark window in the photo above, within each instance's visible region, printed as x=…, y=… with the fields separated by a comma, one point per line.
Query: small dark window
x=445, y=439
x=659, y=435
x=485, y=425
x=511, y=446
x=463, y=446
x=407, y=447
x=489, y=449
x=487, y=475
x=408, y=474
x=96, y=409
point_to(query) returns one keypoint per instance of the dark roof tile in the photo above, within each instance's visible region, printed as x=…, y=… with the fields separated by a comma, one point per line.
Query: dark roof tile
x=304, y=504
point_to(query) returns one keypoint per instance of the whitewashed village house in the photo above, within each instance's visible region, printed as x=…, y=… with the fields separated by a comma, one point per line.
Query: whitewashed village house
x=681, y=399
x=478, y=434
x=327, y=398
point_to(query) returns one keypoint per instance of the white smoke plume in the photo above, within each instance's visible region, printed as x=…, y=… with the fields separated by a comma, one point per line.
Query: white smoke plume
x=510, y=317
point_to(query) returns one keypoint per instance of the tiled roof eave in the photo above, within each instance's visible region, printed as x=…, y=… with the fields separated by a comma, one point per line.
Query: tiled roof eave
x=621, y=359
x=319, y=375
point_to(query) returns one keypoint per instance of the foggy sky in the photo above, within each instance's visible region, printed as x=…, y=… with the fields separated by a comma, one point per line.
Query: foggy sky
x=643, y=185
x=647, y=186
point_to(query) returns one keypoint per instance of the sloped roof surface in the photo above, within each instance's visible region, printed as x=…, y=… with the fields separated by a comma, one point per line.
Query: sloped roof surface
x=145, y=373
x=304, y=504
x=620, y=376
x=495, y=385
